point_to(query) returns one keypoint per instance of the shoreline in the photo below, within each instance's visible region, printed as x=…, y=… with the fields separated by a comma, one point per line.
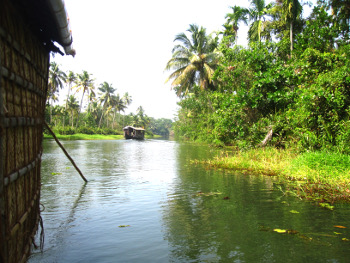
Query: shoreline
x=80, y=136
x=321, y=177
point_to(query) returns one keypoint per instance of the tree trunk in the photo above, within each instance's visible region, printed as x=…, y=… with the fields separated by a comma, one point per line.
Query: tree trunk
x=291, y=38
x=268, y=138
x=81, y=104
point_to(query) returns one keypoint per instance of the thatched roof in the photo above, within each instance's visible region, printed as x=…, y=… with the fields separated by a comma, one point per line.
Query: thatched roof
x=133, y=128
x=48, y=19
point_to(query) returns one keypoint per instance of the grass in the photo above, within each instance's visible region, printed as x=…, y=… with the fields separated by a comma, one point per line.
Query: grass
x=80, y=136
x=318, y=176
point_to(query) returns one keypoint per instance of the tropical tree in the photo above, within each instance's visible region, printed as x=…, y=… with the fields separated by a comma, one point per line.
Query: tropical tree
x=341, y=16
x=72, y=107
x=291, y=11
x=127, y=99
x=239, y=14
x=56, y=81
x=85, y=84
x=194, y=60
x=140, y=119
x=106, y=96
x=71, y=78
x=257, y=11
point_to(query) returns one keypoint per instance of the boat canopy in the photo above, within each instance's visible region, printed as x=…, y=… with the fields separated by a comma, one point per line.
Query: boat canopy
x=133, y=128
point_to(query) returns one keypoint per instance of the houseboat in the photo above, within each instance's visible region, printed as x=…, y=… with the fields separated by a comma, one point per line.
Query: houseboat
x=134, y=133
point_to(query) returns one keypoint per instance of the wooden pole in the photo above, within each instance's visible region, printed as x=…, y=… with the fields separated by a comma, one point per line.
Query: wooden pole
x=65, y=152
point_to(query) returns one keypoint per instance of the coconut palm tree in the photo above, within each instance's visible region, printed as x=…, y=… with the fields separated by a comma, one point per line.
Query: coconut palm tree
x=239, y=14
x=106, y=95
x=56, y=81
x=291, y=11
x=194, y=60
x=71, y=78
x=257, y=11
x=118, y=105
x=72, y=107
x=127, y=100
x=85, y=84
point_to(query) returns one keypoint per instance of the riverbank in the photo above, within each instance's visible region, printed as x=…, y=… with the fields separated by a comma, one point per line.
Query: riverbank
x=81, y=136
x=318, y=176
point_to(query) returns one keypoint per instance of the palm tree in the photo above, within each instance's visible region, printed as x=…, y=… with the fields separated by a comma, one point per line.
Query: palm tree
x=118, y=105
x=193, y=61
x=291, y=11
x=239, y=14
x=257, y=11
x=56, y=80
x=127, y=100
x=71, y=78
x=107, y=92
x=72, y=107
x=86, y=84
x=140, y=119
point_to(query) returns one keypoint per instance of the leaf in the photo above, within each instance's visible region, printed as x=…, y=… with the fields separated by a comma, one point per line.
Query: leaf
x=340, y=226
x=280, y=230
x=124, y=226
x=53, y=173
x=345, y=239
x=294, y=212
x=337, y=233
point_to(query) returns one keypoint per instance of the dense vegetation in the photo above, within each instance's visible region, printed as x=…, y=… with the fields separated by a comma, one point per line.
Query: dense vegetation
x=293, y=79
x=103, y=114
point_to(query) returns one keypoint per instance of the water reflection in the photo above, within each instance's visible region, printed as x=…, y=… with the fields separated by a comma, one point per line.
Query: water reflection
x=177, y=212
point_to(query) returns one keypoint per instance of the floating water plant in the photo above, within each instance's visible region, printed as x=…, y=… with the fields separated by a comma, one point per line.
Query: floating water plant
x=281, y=231
x=327, y=206
x=294, y=212
x=208, y=194
x=340, y=226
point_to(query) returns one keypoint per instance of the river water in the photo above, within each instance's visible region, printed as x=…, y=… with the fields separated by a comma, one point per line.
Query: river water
x=146, y=202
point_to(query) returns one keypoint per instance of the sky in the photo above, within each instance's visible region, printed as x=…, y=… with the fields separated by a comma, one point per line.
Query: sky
x=128, y=44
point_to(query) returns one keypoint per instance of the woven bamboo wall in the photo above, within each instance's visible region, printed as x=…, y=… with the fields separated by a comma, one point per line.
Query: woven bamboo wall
x=24, y=64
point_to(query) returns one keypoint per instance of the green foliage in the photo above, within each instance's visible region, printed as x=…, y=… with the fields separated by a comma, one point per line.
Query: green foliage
x=86, y=130
x=65, y=130
x=303, y=99
x=160, y=126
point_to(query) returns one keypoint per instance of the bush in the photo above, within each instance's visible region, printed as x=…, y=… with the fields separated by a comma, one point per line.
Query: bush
x=86, y=130
x=65, y=130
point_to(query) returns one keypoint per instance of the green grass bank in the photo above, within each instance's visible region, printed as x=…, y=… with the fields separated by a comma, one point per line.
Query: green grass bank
x=318, y=176
x=81, y=136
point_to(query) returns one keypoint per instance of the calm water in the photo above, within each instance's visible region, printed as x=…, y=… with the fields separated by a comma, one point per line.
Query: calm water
x=145, y=202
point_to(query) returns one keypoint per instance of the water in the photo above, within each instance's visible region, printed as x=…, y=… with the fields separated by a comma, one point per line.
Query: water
x=146, y=202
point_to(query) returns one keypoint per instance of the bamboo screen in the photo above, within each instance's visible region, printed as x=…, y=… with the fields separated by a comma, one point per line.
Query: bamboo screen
x=24, y=64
